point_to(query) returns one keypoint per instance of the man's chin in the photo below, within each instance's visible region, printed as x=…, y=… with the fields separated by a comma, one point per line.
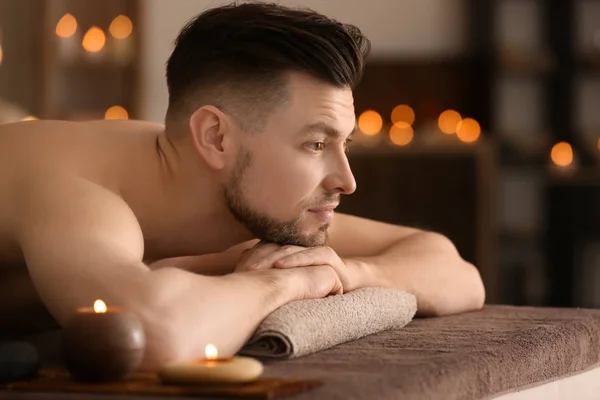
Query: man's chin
x=316, y=237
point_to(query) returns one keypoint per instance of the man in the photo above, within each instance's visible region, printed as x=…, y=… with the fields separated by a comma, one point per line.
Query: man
x=166, y=220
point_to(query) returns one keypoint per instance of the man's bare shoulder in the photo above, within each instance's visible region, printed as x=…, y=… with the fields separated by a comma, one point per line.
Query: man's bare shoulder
x=57, y=158
x=77, y=205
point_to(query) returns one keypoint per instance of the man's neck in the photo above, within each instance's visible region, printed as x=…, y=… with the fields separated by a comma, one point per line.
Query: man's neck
x=183, y=213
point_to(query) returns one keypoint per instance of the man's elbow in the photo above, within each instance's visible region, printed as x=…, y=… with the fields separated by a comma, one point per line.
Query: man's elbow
x=475, y=289
x=467, y=294
x=160, y=314
x=467, y=291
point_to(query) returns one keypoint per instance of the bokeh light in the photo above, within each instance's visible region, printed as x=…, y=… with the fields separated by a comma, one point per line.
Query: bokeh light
x=67, y=26
x=468, y=130
x=94, y=40
x=403, y=113
x=121, y=27
x=448, y=121
x=116, y=112
x=370, y=122
x=29, y=118
x=401, y=133
x=562, y=154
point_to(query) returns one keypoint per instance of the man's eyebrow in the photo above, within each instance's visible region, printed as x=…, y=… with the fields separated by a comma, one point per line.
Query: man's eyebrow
x=322, y=127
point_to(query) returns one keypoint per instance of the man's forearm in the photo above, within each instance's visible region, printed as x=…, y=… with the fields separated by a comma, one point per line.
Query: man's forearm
x=429, y=266
x=185, y=312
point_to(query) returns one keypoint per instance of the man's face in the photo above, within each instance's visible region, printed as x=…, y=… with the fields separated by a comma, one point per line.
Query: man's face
x=288, y=178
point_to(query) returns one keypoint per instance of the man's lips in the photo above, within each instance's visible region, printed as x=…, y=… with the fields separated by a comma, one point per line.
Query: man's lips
x=324, y=213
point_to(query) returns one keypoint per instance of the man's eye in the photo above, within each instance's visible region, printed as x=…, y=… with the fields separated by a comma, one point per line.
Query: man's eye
x=317, y=146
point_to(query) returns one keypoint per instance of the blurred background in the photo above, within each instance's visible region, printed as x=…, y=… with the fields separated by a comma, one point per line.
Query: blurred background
x=479, y=119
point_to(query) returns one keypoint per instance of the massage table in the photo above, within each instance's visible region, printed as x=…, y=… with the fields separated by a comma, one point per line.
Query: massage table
x=500, y=352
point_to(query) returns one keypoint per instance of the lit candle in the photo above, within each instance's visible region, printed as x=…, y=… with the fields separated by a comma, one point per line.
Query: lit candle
x=120, y=31
x=102, y=344
x=68, y=38
x=212, y=369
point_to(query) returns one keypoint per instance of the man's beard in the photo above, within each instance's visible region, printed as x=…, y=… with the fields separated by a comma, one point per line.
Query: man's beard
x=260, y=225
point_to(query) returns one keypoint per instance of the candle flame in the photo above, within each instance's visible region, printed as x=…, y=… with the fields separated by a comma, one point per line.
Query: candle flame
x=211, y=352
x=99, y=307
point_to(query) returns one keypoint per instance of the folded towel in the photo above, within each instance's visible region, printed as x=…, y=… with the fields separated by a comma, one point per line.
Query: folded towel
x=307, y=326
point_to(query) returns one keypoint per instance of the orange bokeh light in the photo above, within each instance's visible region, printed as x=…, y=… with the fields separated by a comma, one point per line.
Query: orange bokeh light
x=403, y=113
x=121, y=27
x=67, y=26
x=116, y=112
x=448, y=121
x=401, y=133
x=562, y=154
x=370, y=122
x=94, y=40
x=468, y=130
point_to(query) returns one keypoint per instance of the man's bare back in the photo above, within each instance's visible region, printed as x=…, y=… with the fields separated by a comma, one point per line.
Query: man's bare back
x=120, y=156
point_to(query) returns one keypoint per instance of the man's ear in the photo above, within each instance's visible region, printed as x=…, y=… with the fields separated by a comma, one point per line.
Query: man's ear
x=208, y=128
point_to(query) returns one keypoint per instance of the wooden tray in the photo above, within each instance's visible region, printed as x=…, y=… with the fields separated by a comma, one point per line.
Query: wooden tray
x=50, y=380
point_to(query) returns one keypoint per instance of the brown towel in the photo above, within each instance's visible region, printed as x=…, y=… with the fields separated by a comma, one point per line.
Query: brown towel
x=307, y=326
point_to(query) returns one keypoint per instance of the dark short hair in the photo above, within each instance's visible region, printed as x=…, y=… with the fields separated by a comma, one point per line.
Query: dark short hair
x=236, y=57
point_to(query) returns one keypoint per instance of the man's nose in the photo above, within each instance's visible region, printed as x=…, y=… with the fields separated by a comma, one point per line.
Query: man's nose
x=341, y=179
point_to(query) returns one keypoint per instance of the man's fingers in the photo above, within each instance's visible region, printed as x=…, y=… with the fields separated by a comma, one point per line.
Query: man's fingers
x=255, y=253
x=299, y=259
x=311, y=256
x=270, y=260
x=317, y=256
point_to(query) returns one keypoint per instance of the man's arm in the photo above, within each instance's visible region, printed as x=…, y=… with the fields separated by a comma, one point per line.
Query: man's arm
x=368, y=253
x=213, y=264
x=82, y=242
x=426, y=264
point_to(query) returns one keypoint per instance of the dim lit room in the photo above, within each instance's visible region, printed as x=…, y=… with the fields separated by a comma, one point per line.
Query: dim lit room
x=463, y=261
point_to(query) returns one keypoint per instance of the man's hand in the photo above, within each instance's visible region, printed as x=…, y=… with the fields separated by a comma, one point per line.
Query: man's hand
x=269, y=255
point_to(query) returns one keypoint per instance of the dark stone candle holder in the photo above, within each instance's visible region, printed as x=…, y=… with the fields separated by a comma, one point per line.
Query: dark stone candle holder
x=102, y=346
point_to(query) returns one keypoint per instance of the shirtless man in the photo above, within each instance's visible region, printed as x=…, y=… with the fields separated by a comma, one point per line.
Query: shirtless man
x=166, y=220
